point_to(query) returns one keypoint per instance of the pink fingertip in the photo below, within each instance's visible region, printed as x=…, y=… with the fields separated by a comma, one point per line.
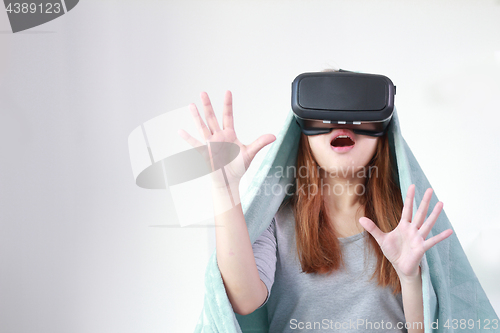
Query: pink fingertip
x=447, y=233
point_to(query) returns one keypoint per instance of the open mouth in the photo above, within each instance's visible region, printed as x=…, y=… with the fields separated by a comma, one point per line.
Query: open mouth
x=342, y=141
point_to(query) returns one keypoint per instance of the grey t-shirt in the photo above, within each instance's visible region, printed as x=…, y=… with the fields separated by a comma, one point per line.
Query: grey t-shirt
x=345, y=301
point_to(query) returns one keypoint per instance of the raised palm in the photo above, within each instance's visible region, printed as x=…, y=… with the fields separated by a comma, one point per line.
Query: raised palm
x=223, y=144
x=405, y=246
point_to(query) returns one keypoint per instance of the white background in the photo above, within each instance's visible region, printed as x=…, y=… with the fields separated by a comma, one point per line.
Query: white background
x=80, y=246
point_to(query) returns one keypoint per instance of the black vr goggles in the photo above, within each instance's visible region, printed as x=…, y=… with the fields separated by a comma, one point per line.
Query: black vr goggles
x=361, y=102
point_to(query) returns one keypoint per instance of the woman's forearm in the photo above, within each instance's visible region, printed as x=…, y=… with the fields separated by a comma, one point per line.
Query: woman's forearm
x=235, y=256
x=413, y=305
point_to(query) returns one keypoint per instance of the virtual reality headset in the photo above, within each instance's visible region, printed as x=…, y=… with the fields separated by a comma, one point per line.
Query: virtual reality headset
x=322, y=101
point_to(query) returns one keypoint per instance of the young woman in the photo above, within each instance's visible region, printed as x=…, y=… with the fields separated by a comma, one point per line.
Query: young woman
x=346, y=256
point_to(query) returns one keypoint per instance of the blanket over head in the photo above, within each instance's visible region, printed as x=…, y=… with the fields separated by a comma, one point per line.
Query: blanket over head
x=451, y=290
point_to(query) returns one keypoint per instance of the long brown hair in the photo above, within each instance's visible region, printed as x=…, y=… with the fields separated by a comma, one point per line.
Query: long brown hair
x=317, y=242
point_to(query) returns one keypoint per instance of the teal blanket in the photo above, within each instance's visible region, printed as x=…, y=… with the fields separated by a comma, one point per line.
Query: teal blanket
x=451, y=291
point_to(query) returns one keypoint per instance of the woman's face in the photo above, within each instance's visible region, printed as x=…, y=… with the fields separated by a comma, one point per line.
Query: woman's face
x=342, y=151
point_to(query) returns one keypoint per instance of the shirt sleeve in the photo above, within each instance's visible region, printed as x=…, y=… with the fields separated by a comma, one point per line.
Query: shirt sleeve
x=264, y=250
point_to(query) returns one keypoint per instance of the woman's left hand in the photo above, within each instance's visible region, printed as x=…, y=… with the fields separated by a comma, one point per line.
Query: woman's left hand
x=406, y=244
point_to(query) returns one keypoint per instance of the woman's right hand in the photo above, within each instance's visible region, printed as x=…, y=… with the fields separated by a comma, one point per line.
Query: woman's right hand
x=214, y=134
